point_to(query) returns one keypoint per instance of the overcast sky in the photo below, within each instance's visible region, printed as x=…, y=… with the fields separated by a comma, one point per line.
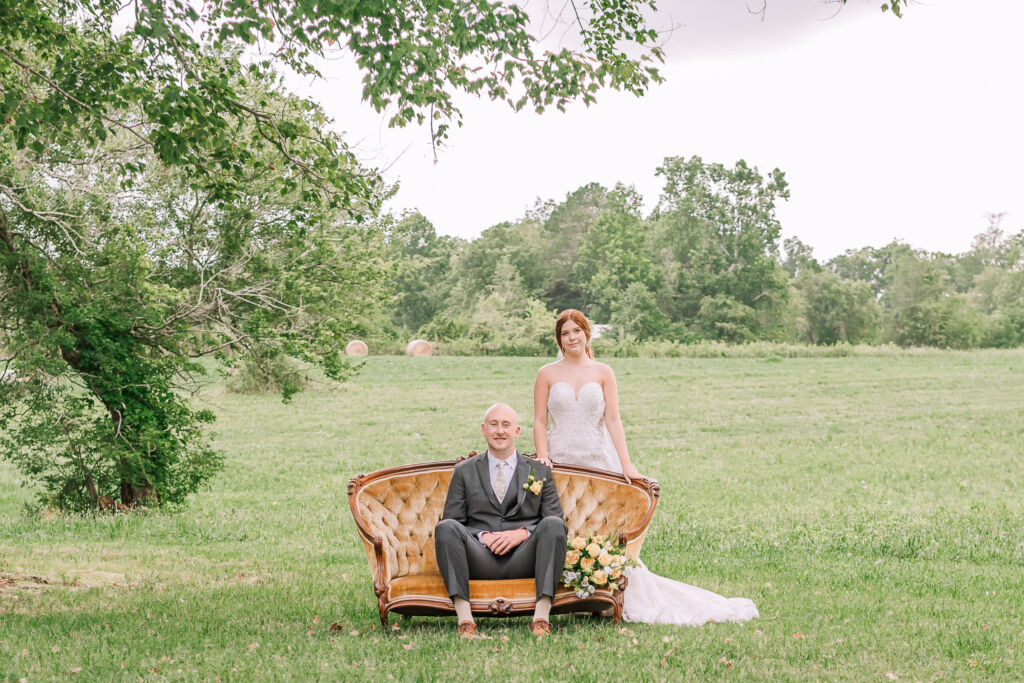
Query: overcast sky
x=886, y=128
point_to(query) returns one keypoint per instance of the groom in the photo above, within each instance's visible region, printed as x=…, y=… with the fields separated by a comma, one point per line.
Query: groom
x=494, y=528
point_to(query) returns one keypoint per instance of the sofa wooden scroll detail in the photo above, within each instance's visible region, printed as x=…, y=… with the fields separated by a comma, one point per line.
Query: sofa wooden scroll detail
x=396, y=510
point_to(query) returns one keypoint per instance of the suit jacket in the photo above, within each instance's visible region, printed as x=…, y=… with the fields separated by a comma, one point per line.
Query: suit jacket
x=471, y=500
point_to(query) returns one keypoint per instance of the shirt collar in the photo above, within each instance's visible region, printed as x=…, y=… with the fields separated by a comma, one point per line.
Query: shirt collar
x=492, y=462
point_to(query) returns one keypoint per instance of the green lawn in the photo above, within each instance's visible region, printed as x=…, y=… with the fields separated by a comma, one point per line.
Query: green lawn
x=873, y=507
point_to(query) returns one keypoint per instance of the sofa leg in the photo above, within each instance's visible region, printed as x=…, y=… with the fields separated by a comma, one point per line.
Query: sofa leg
x=384, y=619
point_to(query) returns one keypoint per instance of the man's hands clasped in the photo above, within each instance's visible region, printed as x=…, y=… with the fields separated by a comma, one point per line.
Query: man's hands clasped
x=500, y=542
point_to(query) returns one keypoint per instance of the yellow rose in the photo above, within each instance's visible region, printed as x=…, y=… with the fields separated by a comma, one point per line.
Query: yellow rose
x=614, y=586
x=587, y=562
x=600, y=578
x=605, y=559
x=535, y=488
x=593, y=550
x=599, y=539
x=579, y=543
x=616, y=573
x=572, y=557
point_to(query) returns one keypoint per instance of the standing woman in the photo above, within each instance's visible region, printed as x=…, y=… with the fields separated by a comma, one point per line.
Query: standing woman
x=576, y=421
x=585, y=427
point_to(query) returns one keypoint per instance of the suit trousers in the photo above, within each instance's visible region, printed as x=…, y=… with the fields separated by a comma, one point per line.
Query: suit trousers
x=461, y=557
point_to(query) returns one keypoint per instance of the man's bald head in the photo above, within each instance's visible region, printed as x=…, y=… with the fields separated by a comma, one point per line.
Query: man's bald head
x=505, y=408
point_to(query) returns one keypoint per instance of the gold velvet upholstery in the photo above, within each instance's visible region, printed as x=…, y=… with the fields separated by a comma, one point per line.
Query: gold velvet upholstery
x=397, y=509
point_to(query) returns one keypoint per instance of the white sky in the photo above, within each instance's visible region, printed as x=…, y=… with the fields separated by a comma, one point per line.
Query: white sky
x=886, y=128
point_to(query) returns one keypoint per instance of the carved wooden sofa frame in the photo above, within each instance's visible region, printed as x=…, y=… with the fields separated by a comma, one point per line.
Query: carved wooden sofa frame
x=396, y=510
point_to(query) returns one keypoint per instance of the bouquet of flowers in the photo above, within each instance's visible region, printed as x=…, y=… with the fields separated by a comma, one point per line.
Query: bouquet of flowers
x=594, y=562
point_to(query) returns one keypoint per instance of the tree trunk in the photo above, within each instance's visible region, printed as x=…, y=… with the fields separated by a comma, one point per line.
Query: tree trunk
x=137, y=495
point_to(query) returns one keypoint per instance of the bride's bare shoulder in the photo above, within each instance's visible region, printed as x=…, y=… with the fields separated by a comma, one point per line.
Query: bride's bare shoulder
x=547, y=371
x=549, y=368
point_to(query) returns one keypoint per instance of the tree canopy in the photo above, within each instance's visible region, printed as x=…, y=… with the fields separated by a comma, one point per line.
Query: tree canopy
x=163, y=198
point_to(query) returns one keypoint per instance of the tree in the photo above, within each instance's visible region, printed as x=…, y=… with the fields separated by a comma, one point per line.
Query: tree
x=613, y=254
x=836, y=310
x=799, y=258
x=506, y=319
x=563, y=232
x=717, y=235
x=635, y=312
x=422, y=270
x=870, y=264
x=106, y=293
x=923, y=310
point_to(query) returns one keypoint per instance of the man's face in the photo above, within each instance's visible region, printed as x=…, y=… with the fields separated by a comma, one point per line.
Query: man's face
x=500, y=429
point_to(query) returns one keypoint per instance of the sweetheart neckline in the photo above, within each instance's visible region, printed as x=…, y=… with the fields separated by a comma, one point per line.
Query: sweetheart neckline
x=576, y=393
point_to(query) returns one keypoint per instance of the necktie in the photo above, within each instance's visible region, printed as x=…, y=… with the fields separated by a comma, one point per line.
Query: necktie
x=501, y=481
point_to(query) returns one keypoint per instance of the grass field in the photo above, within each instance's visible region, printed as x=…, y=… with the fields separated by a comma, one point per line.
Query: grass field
x=873, y=507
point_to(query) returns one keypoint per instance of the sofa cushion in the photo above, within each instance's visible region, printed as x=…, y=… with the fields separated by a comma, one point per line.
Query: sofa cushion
x=431, y=585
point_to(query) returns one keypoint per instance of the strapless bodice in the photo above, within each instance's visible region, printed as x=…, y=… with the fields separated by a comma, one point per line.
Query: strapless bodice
x=577, y=433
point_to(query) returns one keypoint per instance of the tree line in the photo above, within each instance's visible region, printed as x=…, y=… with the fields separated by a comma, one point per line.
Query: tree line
x=708, y=263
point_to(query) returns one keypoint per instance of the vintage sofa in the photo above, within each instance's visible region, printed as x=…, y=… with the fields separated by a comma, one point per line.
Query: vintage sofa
x=396, y=510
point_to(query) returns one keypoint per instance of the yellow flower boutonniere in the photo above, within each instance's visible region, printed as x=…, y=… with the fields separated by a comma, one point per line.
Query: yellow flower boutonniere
x=533, y=484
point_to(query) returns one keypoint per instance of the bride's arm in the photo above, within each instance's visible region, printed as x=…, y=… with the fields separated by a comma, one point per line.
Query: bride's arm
x=613, y=423
x=540, y=418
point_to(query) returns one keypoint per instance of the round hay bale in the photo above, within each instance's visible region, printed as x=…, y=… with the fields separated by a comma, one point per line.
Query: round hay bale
x=356, y=347
x=419, y=347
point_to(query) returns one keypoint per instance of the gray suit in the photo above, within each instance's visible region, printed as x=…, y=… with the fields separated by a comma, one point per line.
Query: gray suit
x=471, y=507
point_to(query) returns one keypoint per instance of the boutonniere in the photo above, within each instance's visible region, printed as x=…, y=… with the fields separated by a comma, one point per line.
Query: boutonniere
x=533, y=484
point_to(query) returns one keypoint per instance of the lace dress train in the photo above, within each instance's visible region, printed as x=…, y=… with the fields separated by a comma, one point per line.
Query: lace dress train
x=578, y=436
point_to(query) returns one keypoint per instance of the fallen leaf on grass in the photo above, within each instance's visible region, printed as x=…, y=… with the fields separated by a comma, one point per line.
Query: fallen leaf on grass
x=353, y=633
x=407, y=646
x=727, y=663
x=75, y=670
x=334, y=627
x=891, y=676
x=316, y=620
x=253, y=646
x=799, y=636
x=396, y=627
x=504, y=639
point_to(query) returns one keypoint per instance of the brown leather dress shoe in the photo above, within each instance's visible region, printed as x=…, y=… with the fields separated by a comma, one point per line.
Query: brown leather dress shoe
x=540, y=628
x=467, y=629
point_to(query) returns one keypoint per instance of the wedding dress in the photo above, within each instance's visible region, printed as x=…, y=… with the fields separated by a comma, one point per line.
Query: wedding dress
x=577, y=436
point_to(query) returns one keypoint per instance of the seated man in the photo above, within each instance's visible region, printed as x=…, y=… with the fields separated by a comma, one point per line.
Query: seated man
x=495, y=528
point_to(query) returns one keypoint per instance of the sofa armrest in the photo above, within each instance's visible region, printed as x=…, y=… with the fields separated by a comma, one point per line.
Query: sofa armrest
x=381, y=575
x=381, y=572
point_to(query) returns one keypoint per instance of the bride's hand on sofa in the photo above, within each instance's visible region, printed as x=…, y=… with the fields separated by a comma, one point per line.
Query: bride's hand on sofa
x=631, y=473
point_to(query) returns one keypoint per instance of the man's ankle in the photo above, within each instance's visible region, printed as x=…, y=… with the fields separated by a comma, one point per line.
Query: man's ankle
x=463, y=609
x=543, y=608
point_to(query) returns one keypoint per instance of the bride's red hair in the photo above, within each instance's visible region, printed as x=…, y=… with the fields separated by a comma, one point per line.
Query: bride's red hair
x=578, y=318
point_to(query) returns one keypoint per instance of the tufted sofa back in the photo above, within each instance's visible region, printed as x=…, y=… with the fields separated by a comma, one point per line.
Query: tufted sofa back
x=401, y=506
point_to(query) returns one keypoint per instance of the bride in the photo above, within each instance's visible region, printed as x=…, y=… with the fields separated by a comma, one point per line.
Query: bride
x=576, y=397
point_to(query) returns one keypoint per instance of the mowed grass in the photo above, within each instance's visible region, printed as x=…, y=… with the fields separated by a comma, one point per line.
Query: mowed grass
x=872, y=507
